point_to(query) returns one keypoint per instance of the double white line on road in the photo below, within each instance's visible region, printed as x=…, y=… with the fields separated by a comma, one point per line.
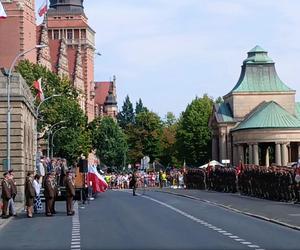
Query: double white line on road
x=75, y=243
x=206, y=224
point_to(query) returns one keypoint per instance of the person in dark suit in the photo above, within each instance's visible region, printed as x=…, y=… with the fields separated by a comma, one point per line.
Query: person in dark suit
x=133, y=182
x=70, y=193
x=49, y=194
x=29, y=194
x=6, y=194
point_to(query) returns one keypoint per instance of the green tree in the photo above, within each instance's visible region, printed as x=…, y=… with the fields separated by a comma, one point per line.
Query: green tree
x=219, y=100
x=74, y=140
x=109, y=141
x=193, y=134
x=170, y=119
x=149, y=126
x=139, y=107
x=126, y=116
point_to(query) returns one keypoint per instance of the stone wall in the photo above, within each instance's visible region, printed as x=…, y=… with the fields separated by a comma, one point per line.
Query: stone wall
x=23, y=124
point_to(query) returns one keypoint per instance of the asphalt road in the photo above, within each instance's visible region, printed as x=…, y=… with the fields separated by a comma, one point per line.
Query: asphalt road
x=118, y=220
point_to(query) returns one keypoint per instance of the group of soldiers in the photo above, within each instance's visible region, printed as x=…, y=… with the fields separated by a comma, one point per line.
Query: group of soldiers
x=221, y=179
x=194, y=178
x=274, y=183
x=51, y=192
x=9, y=192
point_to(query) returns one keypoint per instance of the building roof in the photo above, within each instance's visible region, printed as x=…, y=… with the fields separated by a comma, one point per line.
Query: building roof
x=297, y=108
x=101, y=92
x=223, y=112
x=66, y=7
x=269, y=115
x=259, y=74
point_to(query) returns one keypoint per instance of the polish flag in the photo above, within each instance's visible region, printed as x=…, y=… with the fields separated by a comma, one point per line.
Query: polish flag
x=38, y=86
x=98, y=183
x=2, y=12
x=43, y=9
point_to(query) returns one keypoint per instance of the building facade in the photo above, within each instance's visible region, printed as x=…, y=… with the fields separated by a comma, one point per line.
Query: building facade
x=259, y=120
x=18, y=31
x=71, y=48
x=23, y=129
x=106, y=99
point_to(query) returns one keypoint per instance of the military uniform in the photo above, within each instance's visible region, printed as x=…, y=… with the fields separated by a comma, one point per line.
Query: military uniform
x=29, y=195
x=70, y=193
x=49, y=193
x=6, y=195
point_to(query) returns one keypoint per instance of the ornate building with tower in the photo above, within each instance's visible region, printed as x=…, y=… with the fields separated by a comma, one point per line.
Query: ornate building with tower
x=259, y=120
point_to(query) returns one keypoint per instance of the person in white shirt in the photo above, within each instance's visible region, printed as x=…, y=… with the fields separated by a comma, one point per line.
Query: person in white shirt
x=38, y=206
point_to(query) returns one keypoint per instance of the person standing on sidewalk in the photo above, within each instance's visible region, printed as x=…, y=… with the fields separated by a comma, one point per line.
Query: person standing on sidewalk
x=13, y=186
x=70, y=191
x=49, y=195
x=29, y=194
x=6, y=194
x=38, y=207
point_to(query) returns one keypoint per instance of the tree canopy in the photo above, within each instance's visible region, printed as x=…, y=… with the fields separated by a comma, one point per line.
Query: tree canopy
x=109, y=141
x=193, y=134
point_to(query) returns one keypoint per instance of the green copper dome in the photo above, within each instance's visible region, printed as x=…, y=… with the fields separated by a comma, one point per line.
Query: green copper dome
x=259, y=74
x=269, y=115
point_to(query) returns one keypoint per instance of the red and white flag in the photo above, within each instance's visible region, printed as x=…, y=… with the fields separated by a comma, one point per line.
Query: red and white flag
x=43, y=9
x=97, y=180
x=38, y=86
x=2, y=12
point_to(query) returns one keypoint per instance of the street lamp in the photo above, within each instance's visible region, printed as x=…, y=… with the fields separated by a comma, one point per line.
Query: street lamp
x=46, y=99
x=49, y=135
x=52, y=139
x=39, y=46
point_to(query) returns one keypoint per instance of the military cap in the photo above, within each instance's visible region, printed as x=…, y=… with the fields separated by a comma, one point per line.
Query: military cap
x=5, y=174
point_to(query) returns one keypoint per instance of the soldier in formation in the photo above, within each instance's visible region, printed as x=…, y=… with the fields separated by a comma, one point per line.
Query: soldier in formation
x=274, y=183
x=70, y=193
x=194, y=178
x=29, y=194
x=221, y=179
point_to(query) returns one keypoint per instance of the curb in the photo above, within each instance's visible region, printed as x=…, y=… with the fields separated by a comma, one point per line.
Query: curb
x=234, y=210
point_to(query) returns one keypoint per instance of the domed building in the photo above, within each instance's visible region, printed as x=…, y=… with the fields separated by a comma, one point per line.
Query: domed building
x=259, y=120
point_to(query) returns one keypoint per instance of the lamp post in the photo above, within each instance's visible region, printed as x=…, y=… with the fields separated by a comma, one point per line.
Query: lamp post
x=52, y=139
x=49, y=135
x=39, y=46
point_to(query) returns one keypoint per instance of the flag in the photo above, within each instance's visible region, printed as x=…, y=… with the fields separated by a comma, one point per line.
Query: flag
x=2, y=12
x=97, y=180
x=38, y=86
x=239, y=168
x=43, y=9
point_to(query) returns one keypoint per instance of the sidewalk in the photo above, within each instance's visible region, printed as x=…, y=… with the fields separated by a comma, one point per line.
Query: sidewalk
x=4, y=222
x=286, y=214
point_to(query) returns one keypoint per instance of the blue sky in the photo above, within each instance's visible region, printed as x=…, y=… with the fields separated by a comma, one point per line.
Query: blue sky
x=167, y=52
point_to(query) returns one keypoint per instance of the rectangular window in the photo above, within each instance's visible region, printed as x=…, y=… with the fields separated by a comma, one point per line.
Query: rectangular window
x=55, y=34
x=69, y=34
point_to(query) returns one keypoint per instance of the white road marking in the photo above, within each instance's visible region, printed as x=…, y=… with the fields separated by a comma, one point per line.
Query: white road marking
x=75, y=242
x=202, y=222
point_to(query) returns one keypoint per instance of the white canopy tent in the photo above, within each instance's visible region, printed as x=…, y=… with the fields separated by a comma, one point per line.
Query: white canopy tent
x=212, y=163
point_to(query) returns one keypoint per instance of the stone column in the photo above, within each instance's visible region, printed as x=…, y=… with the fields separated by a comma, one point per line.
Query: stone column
x=267, y=157
x=235, y=156
x=250, y=148
x=241, y=153
x=284, y=154
x=214, y=148
x=255, y=154
x=222, y=146
x=278, y=154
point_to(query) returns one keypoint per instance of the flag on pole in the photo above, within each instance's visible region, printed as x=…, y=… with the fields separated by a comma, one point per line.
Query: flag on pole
x=43, y=9
x=38, y=86
x=97, y=180
x=2, y=12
